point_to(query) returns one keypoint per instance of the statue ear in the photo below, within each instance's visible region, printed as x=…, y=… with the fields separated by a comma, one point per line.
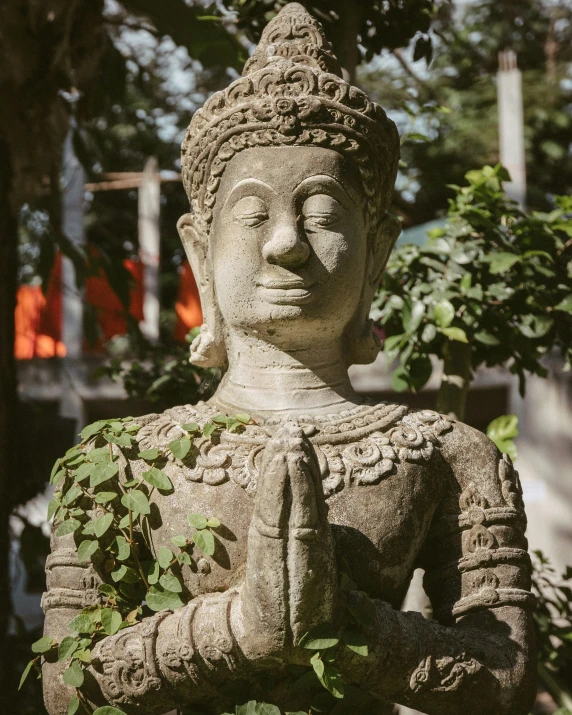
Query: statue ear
x=388, y=232
x=362, y=343
x=207, y=349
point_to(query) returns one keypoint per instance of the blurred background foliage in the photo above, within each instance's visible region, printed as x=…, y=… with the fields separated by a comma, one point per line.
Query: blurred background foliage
x=128, y=74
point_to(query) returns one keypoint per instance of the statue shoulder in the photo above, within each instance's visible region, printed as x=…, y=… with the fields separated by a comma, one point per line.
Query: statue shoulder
x=483, y=474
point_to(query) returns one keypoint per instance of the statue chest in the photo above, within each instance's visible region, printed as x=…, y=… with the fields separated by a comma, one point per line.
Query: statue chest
x=381, y=481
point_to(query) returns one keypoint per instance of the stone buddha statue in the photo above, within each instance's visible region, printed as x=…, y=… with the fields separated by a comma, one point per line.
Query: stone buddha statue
x=290, y=172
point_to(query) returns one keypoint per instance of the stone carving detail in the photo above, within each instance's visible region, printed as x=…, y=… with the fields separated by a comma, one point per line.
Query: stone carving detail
x=350, y=450
x=127, y=664
x=443, y=674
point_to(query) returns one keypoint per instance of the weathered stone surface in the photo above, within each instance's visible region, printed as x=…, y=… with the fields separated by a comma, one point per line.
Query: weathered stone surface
x=289, y=173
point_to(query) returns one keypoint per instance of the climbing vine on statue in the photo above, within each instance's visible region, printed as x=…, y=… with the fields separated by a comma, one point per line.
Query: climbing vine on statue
x=109, y=516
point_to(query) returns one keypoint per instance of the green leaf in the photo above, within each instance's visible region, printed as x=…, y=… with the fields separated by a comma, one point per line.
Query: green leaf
x=102, y=524
x=26, y=672
x=444, y=312
x=356, y=641
x=136, y=501
x=86, y=550
x=198, y=521
x=565, y=304
x=213, y=522
x=125, y=574
x=180, y=541
x=83, y=471
x=101, y=454
x=74, y=675
x=105, y=497
x=486, y=338
x=52, y=508
x=107, y=589
x=319, y=638
x=412, y=317
x=55, y=469
x=220, y=419
x=457, y=334
x=332, y=680
x=171, y=583
x=209, y=428
x=102, y=473
x=153, y=572
x=73, y=706
x=400, y=379
x=67, y=527
x=184, y=558
x=242, y=417
x=318, y=665
x=534, y=326
x=392, y=342
x=204, y=540
x=157, y=478
x=501, y=262
x=67, y=648
x=43, y=645
x=266, y=709
x=58, y=476
x=429, y=333
x=191, y=427
x=111, y=621
x=82, y=623
x=164, y=557
x=149, y=454
x=123, y=548
x=122, y=440
x=72, y=494
x=160, y=600
x=92, y=429
x=180, y=447
x=502, y=431
x=108, y=710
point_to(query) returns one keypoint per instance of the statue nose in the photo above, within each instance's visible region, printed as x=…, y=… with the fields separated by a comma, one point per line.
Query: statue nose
x=285, y=248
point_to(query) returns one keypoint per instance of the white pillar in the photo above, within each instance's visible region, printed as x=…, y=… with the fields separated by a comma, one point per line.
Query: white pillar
x=149, y=247
x=511, y=125
x=73, y=179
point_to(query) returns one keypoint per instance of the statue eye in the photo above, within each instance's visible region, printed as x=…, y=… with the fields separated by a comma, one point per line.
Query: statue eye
x=250, y=211
x=321, y=211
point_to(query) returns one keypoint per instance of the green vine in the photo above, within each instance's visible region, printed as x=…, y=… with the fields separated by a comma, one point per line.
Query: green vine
x=109, y=518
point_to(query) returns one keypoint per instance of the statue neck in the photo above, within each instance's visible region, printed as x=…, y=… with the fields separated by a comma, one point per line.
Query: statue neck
x=264, y=379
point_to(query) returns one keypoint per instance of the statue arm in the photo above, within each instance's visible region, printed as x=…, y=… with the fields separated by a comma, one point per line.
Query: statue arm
x=71, y=586
x=477, y=656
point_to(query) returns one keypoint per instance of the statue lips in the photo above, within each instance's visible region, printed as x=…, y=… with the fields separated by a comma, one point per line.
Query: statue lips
x=286, y=291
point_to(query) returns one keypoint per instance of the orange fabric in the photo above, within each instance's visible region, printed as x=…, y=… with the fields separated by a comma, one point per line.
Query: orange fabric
x=109, y=309
x=38, y=319
x=188, y=305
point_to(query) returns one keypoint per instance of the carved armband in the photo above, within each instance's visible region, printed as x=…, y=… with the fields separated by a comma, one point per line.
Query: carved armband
x=181, y=654
x=494, y=565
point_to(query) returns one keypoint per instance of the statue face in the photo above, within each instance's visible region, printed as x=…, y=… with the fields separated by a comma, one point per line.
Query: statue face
x=288, y=243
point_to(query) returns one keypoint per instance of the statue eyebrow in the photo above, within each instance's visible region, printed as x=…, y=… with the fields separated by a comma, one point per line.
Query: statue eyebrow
x=321, y=177
x=247, y=182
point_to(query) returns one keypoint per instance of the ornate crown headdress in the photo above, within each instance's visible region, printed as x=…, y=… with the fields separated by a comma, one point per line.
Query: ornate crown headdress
x=291, y=93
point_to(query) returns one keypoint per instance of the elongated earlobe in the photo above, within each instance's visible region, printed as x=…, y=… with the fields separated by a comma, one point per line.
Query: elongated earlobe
x=208, y=348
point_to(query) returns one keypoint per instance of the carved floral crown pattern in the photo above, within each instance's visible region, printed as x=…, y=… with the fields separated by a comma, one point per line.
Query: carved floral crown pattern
x=291, y=93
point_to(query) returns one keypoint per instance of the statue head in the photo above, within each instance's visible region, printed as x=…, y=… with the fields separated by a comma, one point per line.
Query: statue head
x=289, y=173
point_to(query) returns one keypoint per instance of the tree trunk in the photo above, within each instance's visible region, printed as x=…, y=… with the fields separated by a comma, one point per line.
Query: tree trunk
x=344, y=35
x=8, y=392
x=457, y=374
